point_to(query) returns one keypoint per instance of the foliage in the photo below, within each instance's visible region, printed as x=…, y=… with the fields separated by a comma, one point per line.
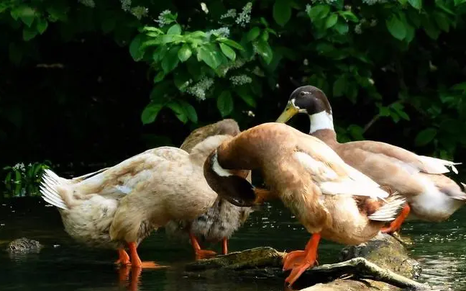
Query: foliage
x=388, y=61
x=23, y=180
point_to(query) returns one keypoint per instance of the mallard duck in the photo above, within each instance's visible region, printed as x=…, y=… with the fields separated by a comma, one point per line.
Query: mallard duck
x=223, y=218
x=331, y=199
x=121, y=205
x=430, y=195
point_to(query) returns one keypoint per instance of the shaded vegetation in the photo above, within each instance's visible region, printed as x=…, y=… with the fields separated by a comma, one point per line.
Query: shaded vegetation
x=94, y=82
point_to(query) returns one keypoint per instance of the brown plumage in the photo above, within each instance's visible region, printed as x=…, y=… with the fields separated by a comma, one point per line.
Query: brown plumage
x=430, y=195
x=121, y=205
x=310, y=179
x=223, y=218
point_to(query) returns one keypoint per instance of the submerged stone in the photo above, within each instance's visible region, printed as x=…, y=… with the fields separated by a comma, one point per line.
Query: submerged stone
x=24, y=245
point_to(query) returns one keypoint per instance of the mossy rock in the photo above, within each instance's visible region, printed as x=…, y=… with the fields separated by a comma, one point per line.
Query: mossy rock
x=265, y=262
x=23, y=246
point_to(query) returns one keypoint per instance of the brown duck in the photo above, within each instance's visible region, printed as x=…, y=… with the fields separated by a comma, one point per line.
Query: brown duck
x=330, y=198
x=430, y=195
x=223, y=218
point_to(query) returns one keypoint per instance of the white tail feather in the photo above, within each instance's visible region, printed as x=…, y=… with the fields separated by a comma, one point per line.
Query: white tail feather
x=389, y=211
x=49, y=191
x=350, y=187
x=438, y=166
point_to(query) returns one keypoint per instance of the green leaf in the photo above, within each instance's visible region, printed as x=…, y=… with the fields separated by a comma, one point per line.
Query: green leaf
x=174, y=29
x=341, y=27
x=189, y=111
x=29, y=33
x=207, y=54
x=430, y=28
x=339, y=86
x=331, y=21
x=416, y=4
x=425, y=136
x=41, y=25
x=160, y=53
x=179, y=111
x=319, y=12
x=225, y=103
x=246, y=95
x=181, y=80
x=396, y=27
x=26, y=13
x=348, y=15
x=253, y=33
x=228, y=51
x=442, y=21
x=170, y=61
x=184, y=53
x=159, y=77
x=459, y=2
x=281, y=12
x=231, y=43
x=264, y=50
x=135, y=48
x=149, y=114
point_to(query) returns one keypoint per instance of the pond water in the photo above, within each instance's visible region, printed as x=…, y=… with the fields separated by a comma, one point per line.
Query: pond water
x=65, y=265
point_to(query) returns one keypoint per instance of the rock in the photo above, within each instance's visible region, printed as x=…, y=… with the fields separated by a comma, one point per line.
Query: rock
x=24, y=245
x=384, y=258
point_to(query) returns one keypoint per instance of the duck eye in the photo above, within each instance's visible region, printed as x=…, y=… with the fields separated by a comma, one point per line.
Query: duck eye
x=302, y=93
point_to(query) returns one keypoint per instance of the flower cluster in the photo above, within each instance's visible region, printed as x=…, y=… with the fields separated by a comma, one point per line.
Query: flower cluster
x=245, y=16
x=139, y=11
x=125, y=5
x=222, y=31
x=20, y=166
x=88, y=3
x=230, y=13
x=162, y=19
x=200, y=88
x=240, y=80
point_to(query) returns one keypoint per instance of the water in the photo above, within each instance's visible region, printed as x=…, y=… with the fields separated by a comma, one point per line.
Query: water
x=65, y=265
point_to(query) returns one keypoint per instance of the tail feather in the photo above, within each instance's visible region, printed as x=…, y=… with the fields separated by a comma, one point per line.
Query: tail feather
x=438, y=166
x=49, y=191
x=390, y=210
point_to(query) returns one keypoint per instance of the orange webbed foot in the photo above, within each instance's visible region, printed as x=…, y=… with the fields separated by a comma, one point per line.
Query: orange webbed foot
x=123, y=258
x=204, y=254
x=147, y=265
x=395, y=225
x=298, y=271
x=300, y=261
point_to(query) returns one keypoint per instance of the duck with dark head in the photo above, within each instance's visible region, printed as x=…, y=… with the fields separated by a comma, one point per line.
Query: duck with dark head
x=431, y=196
x=331, y=199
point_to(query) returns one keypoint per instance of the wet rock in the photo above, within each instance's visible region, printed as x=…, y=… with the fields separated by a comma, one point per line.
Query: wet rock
x=380, y=264
x=24, y=245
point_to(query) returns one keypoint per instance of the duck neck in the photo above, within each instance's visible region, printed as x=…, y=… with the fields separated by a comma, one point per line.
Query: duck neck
x=322, y=127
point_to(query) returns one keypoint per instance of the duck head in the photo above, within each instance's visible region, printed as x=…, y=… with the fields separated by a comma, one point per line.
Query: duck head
x=311, y=101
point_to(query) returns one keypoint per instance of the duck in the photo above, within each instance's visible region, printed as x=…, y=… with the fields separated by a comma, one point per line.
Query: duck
x=330, y=199
x=119, y=206
x=222, y=219
x=431, y=196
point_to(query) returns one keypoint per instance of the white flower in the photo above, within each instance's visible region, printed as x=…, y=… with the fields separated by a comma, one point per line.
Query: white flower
x=357, y=28
x=230, y=13
x=162, y=19
x=306, y=62
x=245, y=16
x=201, y=87
x=19, y=166
x=240, y=80
x=222, y=31
x=125, y=5
x=88, y=3
x=308, y=8
x=373, y=22
x=139, y=11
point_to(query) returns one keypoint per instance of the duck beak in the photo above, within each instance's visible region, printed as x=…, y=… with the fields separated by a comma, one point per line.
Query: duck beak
x=290, y=111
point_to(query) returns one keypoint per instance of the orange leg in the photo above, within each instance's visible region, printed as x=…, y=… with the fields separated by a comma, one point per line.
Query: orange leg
x=395, y=225
x=225, y=246
x=136, y=261
x=200, y=253
x=302, y=263
x=123, y=257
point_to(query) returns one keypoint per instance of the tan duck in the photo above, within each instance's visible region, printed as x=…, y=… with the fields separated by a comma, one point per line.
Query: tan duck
x=330, y=198
x=119, y=206
x=431, y=196
x=223, y=218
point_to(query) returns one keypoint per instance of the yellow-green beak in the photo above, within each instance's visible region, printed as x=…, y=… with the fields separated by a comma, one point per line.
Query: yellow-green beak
x=288, y=113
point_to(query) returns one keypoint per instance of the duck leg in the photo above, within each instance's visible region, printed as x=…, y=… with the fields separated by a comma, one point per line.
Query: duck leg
x=225, y=246
x=136, y=261
x=301, y=262
x=123, y=257
x=200, y=253
x=395, y=225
